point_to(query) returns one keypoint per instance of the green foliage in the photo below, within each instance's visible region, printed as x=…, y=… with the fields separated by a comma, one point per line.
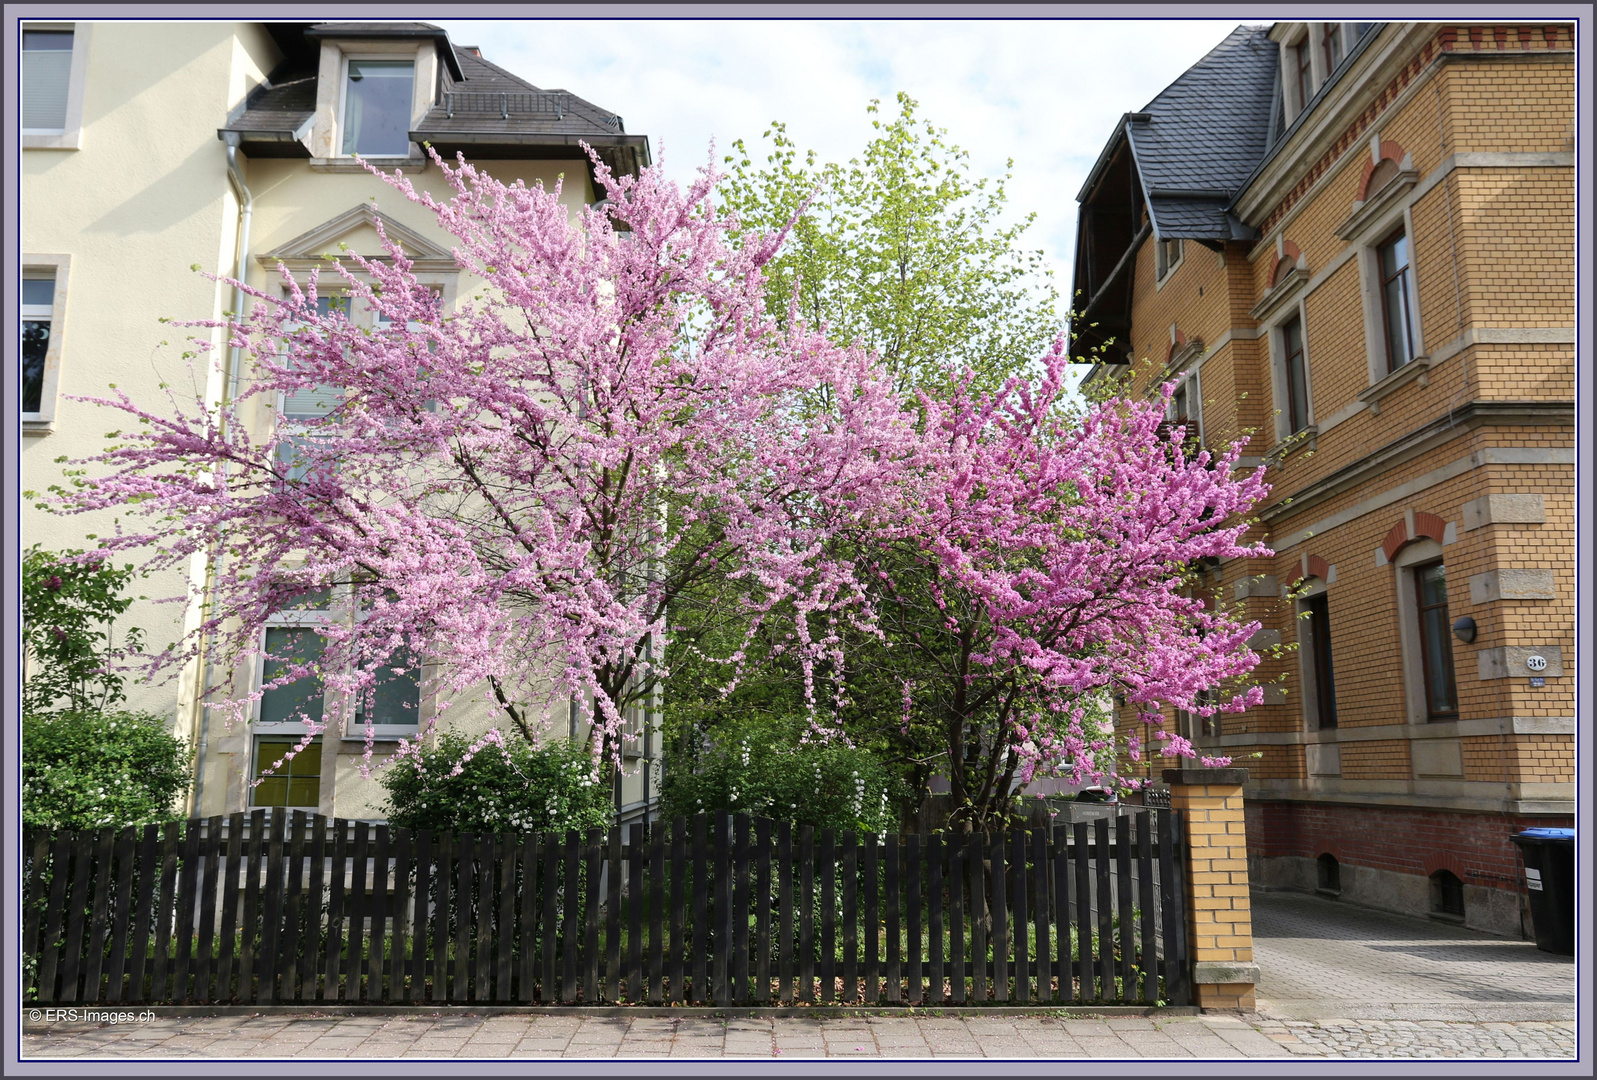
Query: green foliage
x=517, y=788
x=761, y=765
x=900, y=249
x=68, y=611
x=90, y=770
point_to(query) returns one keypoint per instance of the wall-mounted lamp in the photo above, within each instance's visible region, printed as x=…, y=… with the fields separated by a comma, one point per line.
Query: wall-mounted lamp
x=1464, y=629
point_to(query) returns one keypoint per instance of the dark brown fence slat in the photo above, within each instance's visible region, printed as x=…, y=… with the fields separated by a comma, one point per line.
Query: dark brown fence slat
x=572, y=917
x=483, y=928
x=426, y=853
x=143, y=915
x=377, y=951
x=164, y=907
x=936, y=858
x=827, y=868
x=956, y=917
x=55, y=912
x=894, y=925
x=978, y=916
x=784, y=958
x=77, y=906
x=850, y=927
x=443, y=887
x=1126, y=935
x=1172, y=862
x=1042, y=953
x=634, y=903
x=1103, y=869
x=701, y=909
x=806, y=942
x=120, y=923
x=332, y=988
x=272, y=920
x=872, y=884
x=590, y=928
x=228, y=888
x=357, y=904
x=1059, y=856
x=527, y=948
x=679, y=897
x=654, y=990
x=1085, y=970
x=550, y=988
x=1149, y=957
x=762, y=911
x=205, y=964
x=612, y=918
x=498, y=897
x=99, y=920
x=288, y=948
x=404, y=856
x=315, y=911
x=33, y=905
x=464, y=894
x=183, y=916
x=721, y=920
x=739, y=913
x=996, y=844
x=1019, y=886
x=913, y=898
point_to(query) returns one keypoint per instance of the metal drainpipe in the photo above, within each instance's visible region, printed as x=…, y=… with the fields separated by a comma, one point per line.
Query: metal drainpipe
x=246, y=198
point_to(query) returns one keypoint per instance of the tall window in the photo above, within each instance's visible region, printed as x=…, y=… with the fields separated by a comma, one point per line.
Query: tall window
x=1167, y=256
x=1297, y=389
x=46, y=74
x=294, y=702
x=396, y=696
x=1320, y=643
x=38, y=312
x=1332, y=44
x=297, y=782
x=1441, y=698
x=377, y=100
x=1305, y=76
x=1397, y=289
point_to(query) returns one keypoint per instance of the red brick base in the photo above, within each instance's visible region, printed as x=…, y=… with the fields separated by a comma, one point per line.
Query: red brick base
x=1476, y=847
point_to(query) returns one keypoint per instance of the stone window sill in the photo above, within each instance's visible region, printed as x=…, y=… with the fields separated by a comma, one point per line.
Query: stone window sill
x=1285, y=290
x=1416, y=370
x=1365, y=213
x=37, y=427
x=1299, y=440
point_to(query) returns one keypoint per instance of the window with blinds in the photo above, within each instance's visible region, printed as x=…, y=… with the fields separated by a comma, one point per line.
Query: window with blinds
x=46, y=73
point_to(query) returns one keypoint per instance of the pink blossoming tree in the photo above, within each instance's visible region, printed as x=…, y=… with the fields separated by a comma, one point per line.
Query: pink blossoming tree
x=517, y=492
x=1043, y=570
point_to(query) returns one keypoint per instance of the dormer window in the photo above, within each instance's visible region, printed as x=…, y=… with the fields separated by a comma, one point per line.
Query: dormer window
x=1332, y=44
x=1166, y=257
x=1302, y=64
x=377, y=107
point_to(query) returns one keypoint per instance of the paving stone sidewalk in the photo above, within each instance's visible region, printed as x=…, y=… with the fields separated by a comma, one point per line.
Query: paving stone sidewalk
x=798, y=1038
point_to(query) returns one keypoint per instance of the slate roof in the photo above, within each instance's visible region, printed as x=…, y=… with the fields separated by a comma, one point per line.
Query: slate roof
x=1203, y=135
x=470, y=117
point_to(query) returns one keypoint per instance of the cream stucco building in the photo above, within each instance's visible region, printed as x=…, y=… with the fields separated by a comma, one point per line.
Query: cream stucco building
x=152, y=148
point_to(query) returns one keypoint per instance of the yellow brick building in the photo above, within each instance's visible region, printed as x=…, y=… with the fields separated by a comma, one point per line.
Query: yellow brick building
x=1352, y=245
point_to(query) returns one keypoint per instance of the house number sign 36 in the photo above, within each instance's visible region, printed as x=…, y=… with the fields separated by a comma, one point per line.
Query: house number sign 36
x=1536, y=663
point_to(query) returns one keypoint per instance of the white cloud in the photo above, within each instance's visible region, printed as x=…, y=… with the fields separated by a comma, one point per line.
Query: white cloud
x=1046, y=93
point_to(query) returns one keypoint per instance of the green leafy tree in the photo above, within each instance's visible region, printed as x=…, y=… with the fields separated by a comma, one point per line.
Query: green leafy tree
x=902, y=249
x=69, y=607
x=513, y=787
x=89, y=770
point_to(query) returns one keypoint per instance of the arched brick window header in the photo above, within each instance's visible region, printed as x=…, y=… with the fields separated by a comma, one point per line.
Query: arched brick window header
x=1443, y=860
x=1287, y=263
x=1391, y=150
x=1425, y=526
x=1176, y=345
x=1312, y=566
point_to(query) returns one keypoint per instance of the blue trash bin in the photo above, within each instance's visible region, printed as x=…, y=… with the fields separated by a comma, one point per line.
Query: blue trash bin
x=1550, y=880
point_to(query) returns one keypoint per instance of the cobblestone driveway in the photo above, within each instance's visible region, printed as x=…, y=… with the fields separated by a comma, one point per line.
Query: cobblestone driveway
x=1319, y=959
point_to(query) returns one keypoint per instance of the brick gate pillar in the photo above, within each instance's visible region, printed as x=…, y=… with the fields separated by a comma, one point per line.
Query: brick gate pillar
x=1219, y=916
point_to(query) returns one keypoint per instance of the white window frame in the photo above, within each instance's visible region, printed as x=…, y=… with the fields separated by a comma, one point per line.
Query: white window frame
x=70, y=135
x=1308, y=677
x=37, y=267
x=1370, y=291
x=1275, y=330
x=255, y=770
x=1162, y=270
x=294, y=619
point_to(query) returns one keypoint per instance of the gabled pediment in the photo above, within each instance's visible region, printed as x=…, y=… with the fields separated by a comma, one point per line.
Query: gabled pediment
x=355, y=230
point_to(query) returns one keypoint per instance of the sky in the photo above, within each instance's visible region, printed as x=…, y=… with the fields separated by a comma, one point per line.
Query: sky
x=1046, y=93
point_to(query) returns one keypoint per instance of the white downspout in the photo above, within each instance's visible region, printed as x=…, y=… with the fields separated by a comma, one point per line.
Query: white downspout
x=246, y=199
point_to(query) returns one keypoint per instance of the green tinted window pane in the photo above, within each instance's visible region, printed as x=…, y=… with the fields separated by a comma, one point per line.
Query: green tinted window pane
x=1433, y=585
x=273, y=791
x=395, y=698
x=301, y=698
x=35, y=345
x=308, y=762
x=306, y=792
x=1438, y=661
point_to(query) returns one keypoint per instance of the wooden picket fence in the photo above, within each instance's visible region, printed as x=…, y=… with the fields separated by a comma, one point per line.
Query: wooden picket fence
x=295, y=908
